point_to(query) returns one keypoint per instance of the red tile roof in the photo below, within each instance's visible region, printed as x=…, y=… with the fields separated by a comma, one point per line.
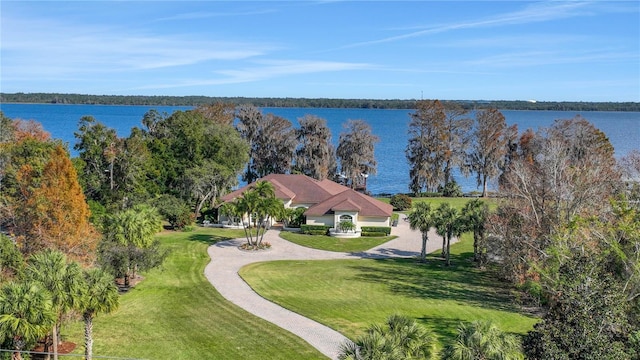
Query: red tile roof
x=326, y=196
x=351, y=200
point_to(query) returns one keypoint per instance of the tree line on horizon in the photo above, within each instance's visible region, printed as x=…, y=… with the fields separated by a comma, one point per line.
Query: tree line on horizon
x=163, y=100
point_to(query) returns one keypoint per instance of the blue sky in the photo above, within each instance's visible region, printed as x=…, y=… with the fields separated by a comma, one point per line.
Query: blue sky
x=502, y=50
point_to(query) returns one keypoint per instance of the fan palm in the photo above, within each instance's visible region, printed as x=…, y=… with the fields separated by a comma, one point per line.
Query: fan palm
x=482, y=340
x=62, y=280
x=449, y=224
x=26, y=314
x=475, y=214
x=422, y=219
x=402, y=338
x=100, y=296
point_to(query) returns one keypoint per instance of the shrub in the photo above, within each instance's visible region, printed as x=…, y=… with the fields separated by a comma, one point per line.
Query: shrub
x=294, y=218
x=400, y=202
x=188, y=228
x=314, y=229
x=385, y=230
x=373, y=234
x=451, y=189
x=346, y=225
x=175, y=211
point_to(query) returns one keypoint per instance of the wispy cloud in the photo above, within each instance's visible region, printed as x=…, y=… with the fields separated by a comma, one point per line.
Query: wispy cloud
x=214, y=14
x=540, y=58
x=49, y=46
x=539, y=12
x=265, y=70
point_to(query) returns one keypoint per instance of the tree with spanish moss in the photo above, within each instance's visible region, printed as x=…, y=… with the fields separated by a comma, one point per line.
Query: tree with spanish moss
x=356, y=152
x=425, y=149
x=315, y=155
x=489, y=147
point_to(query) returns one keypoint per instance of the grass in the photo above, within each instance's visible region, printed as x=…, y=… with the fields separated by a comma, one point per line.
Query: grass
x=330, y=243
x=175, y=313
x=350, y=295
x=455, y=202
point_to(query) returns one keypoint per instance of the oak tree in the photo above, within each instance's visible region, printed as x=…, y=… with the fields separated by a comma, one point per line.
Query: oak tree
x=315, y=155
x=356, y=152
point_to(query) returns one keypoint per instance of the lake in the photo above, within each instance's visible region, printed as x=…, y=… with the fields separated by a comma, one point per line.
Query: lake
x=622, y=128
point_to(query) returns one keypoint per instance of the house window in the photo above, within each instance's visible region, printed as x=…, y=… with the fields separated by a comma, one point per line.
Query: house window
x=346, y=218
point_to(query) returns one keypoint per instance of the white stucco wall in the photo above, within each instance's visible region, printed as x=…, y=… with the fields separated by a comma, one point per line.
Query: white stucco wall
x=373, y=221
x=320, y=220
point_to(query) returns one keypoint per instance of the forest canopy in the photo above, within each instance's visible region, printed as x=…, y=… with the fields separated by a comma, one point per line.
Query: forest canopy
x=161, y=100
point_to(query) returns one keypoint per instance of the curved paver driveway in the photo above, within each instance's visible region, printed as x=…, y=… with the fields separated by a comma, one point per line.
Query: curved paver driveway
x=227, y=259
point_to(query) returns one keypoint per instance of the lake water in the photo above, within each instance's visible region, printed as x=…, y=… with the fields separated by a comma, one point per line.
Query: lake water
x=622, y=128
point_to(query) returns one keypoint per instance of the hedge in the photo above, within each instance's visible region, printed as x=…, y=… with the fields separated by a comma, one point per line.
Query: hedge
x=386, y=230
x=314, y=229
x=373, y=234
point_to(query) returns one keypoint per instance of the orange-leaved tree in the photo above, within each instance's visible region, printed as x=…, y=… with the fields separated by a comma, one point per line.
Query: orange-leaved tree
x=54, y=213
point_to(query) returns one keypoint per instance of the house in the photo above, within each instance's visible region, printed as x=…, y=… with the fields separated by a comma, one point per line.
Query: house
x=328, y=203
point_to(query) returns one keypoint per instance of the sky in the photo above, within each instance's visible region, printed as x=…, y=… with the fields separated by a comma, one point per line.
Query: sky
x=449, y=50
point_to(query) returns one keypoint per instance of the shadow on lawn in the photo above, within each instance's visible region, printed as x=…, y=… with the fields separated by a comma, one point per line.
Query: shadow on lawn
x=445, y=329
x=460, y=282
x=208, y=239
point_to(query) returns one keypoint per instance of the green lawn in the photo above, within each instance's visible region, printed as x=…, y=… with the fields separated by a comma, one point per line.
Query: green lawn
x=456, y=202
x=324, y=242
x=175, y=313
x=350, y=295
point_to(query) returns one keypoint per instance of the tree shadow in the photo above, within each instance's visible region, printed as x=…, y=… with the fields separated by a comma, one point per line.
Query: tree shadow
x=446, y=329
x=460, y=282
x=208, y=239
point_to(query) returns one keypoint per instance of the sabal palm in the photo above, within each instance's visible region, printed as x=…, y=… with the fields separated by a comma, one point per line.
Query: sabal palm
x=482, y=340
x=62, y=280
x=101, y=296
x=401, y=338
x=26, y=314
x=449, y=224
x=136, y=226
x=475, y=214
x=422, y=219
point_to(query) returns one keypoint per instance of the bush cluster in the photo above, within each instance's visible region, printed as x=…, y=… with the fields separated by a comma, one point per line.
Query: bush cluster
x=384, y=230
x=314, y=229
x=400, y=202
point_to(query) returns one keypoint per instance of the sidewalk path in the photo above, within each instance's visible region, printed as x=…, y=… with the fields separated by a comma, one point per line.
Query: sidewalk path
x=227, y=259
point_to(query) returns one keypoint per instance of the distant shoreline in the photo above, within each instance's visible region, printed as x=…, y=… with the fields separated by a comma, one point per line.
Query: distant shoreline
x=159, y=100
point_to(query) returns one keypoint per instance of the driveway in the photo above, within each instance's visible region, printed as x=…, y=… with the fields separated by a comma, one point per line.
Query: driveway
x=227, y=259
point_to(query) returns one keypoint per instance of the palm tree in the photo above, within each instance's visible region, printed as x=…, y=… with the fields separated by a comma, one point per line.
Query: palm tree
x=62, y=280
x=449, y=224
x=475, y=214
x=101, y=297
x=26, y=314
x=422, y=218
x=260, y=204
x=482, y=340
x=402, y=338
x=133, y=229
